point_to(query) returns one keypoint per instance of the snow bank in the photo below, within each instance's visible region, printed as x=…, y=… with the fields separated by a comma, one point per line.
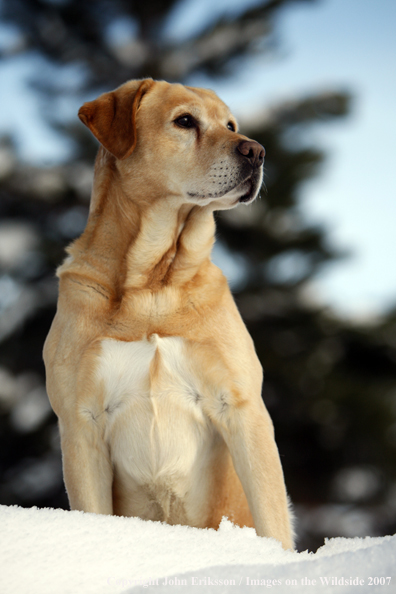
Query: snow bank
x=48, y=551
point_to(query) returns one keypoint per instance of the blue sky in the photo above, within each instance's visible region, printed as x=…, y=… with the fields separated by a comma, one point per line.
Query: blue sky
x=330, y=44
x=351, y=44
x=348, y=45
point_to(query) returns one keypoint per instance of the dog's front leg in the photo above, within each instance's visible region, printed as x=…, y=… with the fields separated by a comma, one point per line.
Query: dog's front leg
x=87, y=468
x=247, y=429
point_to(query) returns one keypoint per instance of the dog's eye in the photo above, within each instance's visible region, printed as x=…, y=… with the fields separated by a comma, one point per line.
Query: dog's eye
x=231, y=126
x=186, y=121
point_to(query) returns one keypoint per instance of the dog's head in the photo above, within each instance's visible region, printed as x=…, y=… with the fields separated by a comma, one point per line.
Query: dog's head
x=183, y=139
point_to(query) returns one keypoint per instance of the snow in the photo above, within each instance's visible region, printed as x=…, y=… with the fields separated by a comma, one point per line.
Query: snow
x=52, y=551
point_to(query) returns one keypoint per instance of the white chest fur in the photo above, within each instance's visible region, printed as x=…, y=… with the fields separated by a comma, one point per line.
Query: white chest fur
x=156, y=430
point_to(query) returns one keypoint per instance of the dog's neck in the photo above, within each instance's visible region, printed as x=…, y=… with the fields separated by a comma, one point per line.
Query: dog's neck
x=136, y=242
x=171, y=245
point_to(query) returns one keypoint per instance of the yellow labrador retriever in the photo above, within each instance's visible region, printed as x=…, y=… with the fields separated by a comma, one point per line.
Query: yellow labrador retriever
x=150, y=369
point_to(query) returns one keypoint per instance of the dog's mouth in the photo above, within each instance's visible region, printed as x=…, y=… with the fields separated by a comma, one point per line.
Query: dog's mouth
x=249, y=191
x=242, y=193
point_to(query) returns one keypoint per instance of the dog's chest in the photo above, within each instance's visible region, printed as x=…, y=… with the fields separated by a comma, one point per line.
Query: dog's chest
x=155, y=426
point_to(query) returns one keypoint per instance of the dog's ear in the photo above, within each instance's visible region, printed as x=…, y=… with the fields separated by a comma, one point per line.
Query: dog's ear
x=112, y=117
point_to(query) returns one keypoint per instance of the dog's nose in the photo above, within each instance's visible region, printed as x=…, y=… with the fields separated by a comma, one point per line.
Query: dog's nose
x=253, y=151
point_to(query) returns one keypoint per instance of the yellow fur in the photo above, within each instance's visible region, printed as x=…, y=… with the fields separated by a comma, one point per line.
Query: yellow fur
x=150, y=368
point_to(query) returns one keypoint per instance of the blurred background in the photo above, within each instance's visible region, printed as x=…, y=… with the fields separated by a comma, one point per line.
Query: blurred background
x=311, y=263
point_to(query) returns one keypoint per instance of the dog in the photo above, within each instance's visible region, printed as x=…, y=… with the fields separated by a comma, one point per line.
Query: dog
x=150, y=369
